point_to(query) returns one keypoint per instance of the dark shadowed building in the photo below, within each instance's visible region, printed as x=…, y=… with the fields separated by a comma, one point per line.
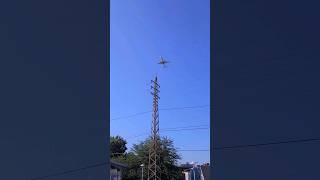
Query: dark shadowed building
x=116, y=170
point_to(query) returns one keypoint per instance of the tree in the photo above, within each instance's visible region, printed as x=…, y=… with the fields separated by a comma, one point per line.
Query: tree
x=139, y=154
x=117, y=146
x=168, y=157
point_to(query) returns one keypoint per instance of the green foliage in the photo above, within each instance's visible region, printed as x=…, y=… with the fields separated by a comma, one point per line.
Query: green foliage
x=139, y=154
x=117, y=146
x=131, y=160
x=168, y=157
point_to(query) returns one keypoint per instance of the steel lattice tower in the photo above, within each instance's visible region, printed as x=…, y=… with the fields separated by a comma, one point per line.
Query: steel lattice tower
x=154, y=166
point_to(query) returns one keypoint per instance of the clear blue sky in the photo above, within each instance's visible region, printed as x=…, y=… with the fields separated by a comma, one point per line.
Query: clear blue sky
x=141, y=32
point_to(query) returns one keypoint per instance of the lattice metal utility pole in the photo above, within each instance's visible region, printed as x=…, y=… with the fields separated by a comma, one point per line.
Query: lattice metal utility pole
x=154, y=156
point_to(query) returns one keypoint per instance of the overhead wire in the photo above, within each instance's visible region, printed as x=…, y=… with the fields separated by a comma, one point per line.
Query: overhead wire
x=217, y=148
x=70, y=171
x=183, y=128
x=160, y=109
x=267, y=144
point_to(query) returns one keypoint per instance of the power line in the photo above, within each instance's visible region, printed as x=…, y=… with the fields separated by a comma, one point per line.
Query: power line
x=193, y=150
x=71, y=171
x=267, y=144
x=204, y=125
x=132, y=115
x=83, y=168
x=169, y=130
x=259, y=144
x=161, y=109
x=184, y=128
x=217, y=148
x=184, y=108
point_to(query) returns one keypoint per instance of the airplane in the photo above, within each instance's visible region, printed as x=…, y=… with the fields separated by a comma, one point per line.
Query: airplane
x=163, y=61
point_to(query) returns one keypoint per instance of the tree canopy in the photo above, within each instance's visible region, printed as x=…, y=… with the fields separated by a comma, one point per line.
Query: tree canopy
x=168, y=157
x=139, y=154
x=117, y=146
